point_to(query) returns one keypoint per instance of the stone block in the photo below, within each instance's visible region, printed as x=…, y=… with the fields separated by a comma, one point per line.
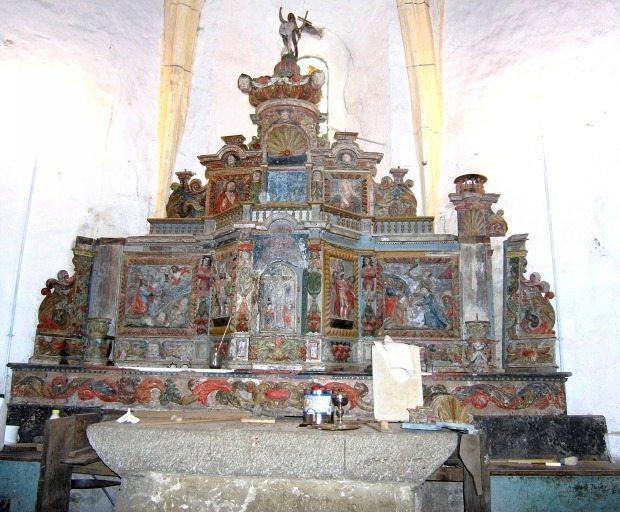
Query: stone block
x=277, y=467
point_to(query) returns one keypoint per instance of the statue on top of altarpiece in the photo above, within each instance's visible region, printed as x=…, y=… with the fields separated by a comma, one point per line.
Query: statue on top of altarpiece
x=291, y=33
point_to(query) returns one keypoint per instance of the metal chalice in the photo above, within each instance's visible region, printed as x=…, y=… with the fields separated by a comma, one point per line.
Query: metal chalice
x=339, y=400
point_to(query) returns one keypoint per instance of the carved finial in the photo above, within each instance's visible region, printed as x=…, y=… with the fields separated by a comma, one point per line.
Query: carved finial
x=470, y=183
x=398, y=174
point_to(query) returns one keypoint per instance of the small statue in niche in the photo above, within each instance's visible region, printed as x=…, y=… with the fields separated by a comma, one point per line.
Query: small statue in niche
x=316, y=187
x=346, y=159
x=478, y=348
x=369, y=274
x=231, y=160
x=369, y=321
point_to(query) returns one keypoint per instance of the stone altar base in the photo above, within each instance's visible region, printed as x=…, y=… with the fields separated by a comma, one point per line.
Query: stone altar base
x=233, y=466
x=158, y=491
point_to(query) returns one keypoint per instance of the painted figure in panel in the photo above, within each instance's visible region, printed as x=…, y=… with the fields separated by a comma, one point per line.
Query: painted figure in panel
x=342, y=294
x=227, y=198
x=346, y=194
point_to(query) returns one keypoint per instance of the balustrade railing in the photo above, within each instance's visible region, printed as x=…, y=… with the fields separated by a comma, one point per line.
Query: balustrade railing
x=420, y=225
x=176, y=226
x=262, y=213
x=229, y=217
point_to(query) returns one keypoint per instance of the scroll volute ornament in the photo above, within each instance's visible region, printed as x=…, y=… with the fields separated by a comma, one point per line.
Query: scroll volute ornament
x=53, y=312
x=188, y=197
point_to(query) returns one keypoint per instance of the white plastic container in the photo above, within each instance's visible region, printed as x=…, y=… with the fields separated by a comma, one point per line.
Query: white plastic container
x=3, y=411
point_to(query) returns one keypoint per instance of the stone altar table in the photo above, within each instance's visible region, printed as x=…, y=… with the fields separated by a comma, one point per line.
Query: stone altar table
x=233, y=466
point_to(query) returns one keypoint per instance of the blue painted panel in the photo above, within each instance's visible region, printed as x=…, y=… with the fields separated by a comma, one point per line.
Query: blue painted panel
x=287, y=186
x=555, y=494
x=18, y=481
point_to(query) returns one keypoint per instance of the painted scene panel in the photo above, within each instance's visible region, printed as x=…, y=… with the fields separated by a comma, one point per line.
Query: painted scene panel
x=345, y=193
x=287, y=186
x=421, y=296
x=158, y=295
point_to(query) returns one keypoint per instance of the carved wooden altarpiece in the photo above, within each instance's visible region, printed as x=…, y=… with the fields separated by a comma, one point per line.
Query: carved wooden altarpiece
x=293, y=260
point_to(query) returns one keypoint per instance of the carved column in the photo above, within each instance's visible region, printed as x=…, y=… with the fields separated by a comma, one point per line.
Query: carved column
x=476, y=224
x=105, y=280
x=243, y=302
x=529, y=317
x=313, y=286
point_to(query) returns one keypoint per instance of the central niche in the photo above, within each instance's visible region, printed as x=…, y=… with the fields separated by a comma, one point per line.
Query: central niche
x=278, y=299
x=287, y=152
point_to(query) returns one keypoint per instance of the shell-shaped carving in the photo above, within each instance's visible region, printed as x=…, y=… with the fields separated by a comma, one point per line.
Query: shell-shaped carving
x=474, y=223
x=449, y=409
x=286, y=141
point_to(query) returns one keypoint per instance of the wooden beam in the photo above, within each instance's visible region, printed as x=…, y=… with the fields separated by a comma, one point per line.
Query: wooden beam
x=425, y=90
x=179, y=43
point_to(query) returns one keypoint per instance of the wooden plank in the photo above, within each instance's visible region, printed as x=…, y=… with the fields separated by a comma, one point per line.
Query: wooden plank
x=60, y=436
x=476, y=476
x=583, y=468
x=96, y=468
x=55, y=478
x=22, y=447
x=24, y=456
x=81, y=456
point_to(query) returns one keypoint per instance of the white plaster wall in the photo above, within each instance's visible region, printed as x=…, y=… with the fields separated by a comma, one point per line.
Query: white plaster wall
x=369, y=91
x=78, y=103
x=532, y=89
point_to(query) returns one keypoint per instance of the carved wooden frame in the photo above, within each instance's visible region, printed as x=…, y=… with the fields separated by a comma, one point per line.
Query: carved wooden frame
x=160, y=259
x=334, y=252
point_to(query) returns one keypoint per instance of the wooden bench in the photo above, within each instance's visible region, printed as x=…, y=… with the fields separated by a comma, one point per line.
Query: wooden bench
x=65, y=450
